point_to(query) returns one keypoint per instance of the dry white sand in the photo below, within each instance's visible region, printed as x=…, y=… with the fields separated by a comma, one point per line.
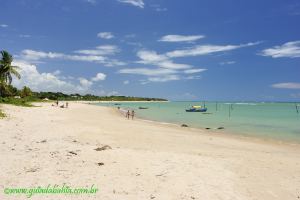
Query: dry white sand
x=147, y=160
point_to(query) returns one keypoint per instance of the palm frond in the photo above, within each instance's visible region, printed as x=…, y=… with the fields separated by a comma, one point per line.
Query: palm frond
x=9, y=77
x=6, y=57
x=15, y=73
x=6, y=69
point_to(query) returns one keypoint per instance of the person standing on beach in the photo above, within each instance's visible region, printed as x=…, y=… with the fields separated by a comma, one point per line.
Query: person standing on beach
x=132, y=114
x=67, y=104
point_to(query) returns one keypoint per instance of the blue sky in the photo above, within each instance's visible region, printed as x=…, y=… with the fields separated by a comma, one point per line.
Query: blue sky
x=175, y=49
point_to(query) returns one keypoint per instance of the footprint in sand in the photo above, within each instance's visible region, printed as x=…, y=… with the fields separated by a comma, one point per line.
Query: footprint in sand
x=105, y=147
x=33, y=169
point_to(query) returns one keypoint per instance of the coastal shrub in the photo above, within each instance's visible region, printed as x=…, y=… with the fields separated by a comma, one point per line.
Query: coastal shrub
x=25, y=92
x=2, y=114
x=15, y=101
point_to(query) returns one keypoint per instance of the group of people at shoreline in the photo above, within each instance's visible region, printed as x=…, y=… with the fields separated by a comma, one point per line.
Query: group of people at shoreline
x=128, y=114
x=62, y=106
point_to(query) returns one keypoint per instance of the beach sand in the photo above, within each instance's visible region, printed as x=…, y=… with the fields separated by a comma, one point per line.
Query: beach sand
x=50, y=145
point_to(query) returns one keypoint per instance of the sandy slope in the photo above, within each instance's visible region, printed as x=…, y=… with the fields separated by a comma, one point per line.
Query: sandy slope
x=147, y=160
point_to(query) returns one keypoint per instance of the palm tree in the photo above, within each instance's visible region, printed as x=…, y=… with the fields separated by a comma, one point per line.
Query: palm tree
x=6, y=71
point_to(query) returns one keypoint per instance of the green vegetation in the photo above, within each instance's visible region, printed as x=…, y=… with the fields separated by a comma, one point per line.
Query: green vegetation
x=88, y=97
x=7, y=91
x=25, y=92
x=26, y=102
x=1, y=114
x=7, y=71
x=11, y=95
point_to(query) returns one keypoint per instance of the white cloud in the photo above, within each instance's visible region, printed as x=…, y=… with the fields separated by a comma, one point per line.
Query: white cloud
x=3, y=25
x=154, y=75
x=149, y=57
x=288, y=85
x=161, y=74
x=85, y=83
x=37, y=81
x=109, y=49
x=126, y=82
x=206, y=49
x=57, y=72
x=181, y=38
x=289, y=49
x=113, y=62
x=160, y=60
x=192, y=71
x=227, y=63
x=100, y=50
x=193, y=77
x=53, y=82
x=86, y=55
x=168, y=70
x=88, y=58
x=147, y=72
x=137, y=3
x=171, y=65
x=165, y=78
x=105, y=35
x=165, y=61
x=37, y=55
x=99, y=77
x=28, y=54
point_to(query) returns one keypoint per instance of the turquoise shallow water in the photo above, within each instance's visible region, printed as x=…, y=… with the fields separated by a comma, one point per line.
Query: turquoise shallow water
x=268, y=120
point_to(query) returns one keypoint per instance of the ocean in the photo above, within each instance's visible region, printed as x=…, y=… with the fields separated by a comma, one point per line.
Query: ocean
x=279, y=121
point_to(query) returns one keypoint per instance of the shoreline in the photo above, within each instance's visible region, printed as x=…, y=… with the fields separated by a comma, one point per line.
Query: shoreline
x=53, y=145
x=215, y=132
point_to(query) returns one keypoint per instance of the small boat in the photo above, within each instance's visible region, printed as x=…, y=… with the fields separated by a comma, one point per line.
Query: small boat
x=196, y=109
x=117, y=104
x=143, y=108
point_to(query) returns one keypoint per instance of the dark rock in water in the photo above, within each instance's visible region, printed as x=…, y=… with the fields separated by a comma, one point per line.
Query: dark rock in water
x=102, y=148
x=184, y=125
x=221, y=127
x=100, y=163
x=207, y=128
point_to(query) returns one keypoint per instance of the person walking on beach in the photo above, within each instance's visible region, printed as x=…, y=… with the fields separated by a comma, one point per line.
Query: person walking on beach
x=67, y=104
x=128, y=114
x=132, y=114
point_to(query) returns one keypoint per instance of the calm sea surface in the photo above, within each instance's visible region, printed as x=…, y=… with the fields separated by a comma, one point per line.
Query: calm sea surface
x=269, y=120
